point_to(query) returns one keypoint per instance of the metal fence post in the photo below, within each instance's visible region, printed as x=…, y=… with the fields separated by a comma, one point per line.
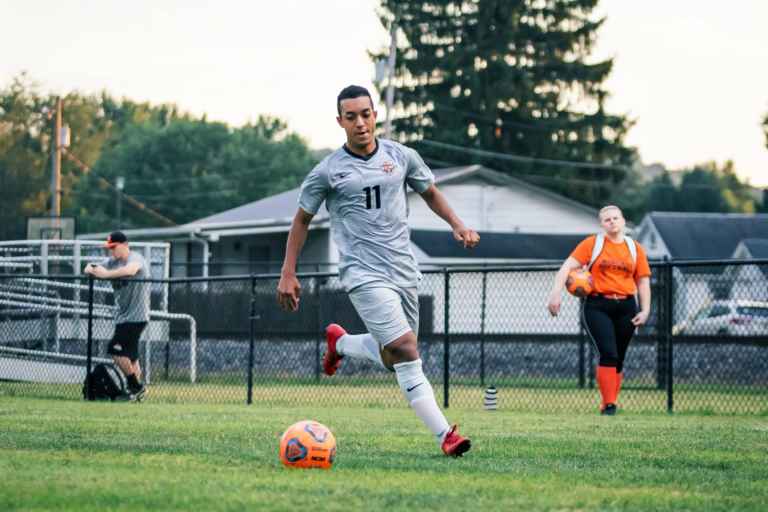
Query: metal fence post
x=662, y=340
x=446, y=336
x=319, y=330
x=482, y=328
x=251, y=342
x=668, y=302
x=167, y=305
x=89, y=349
x=582, y=354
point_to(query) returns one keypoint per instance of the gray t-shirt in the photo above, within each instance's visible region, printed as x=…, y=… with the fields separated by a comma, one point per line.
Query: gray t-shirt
x=131, y=297
x=368, y=206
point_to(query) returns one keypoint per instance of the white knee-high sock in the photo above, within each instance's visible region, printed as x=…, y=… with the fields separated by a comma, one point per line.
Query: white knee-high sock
x=418, y=391
x=360, y=346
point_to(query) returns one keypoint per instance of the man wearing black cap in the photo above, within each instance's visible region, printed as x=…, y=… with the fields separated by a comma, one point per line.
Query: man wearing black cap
x=126, y=269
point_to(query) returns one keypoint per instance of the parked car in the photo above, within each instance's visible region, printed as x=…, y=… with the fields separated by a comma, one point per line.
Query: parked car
x=727, y=317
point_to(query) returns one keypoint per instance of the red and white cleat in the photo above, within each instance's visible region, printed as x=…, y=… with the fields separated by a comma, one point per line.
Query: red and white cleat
x=454, y=445
x=332, y=359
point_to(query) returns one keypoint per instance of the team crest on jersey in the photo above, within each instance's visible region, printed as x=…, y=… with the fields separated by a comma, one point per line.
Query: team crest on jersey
x=388, y=167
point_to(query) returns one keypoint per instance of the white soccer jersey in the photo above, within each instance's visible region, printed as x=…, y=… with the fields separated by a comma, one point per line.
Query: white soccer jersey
x=366, y=199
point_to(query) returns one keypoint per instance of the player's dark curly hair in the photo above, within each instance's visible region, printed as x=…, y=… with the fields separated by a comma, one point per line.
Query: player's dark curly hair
x=351, y=92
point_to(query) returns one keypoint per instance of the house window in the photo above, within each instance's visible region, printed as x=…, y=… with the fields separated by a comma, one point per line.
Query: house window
x=652, y=241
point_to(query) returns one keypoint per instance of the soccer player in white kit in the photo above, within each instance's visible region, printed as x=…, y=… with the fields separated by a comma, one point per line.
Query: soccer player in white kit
x=364, y=186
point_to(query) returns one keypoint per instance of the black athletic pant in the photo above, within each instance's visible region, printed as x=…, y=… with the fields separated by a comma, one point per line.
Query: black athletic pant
x=609, y=324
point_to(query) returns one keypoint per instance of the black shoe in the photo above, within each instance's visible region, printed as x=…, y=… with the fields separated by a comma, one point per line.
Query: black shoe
x=609, y=410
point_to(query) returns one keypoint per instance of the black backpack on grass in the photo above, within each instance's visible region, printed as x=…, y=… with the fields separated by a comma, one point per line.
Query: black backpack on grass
x=105, y=382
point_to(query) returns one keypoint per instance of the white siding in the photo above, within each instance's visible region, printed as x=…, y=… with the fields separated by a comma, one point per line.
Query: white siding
x=750, y=284
x=651, y=240
x=514, y=303
x=488, y=207
x=179, y=258
x=692, y=292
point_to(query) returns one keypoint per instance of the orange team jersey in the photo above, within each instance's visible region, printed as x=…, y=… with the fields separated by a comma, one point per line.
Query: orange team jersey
x=613, y=271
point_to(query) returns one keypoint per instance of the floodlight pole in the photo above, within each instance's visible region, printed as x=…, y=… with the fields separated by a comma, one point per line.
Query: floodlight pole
x=56, y=162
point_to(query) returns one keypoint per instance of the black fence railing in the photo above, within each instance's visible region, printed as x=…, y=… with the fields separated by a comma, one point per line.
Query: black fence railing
x=223, y=339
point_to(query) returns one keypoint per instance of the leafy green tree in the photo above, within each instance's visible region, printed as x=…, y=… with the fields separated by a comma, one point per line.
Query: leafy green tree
x=26, y=128
x=173, y=163
x=662, y=195
x=188, y=168
x=511, y=77
x=23, y=156
x=736, y=193
x=705, y=187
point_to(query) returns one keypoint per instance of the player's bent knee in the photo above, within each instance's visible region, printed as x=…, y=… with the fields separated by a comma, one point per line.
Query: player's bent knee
x=403, y=349
x=387, y=360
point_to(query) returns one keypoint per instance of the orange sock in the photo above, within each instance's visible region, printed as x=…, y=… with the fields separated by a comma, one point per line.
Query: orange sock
x=606, y=381
x=619, y=378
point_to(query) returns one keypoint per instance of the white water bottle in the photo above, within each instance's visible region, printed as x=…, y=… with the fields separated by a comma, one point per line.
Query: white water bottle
x=491, y=399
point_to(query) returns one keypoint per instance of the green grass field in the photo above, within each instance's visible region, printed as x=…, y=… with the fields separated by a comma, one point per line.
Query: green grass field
x=521, y=396
x=72, y=455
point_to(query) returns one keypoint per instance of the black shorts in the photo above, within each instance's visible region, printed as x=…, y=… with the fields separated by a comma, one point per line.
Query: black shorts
x=125, y=342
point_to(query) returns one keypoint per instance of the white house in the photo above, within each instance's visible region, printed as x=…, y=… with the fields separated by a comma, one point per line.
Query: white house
x=750, y=281
x=699, y=236
x=518, y=222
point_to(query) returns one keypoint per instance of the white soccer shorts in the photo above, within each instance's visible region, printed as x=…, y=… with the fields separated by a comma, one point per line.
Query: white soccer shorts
x=388, y=312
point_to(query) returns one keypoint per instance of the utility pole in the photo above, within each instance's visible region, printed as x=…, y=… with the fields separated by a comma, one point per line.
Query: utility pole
x=56, y=162
x=391, y=78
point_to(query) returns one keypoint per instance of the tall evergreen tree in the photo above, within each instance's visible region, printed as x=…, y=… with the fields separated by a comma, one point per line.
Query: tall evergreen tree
x=511, y=76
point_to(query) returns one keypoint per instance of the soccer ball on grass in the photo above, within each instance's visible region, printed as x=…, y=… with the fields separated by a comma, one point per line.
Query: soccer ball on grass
x=307, y=444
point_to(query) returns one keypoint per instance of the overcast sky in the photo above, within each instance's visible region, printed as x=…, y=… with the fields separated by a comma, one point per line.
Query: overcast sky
x=693, y=74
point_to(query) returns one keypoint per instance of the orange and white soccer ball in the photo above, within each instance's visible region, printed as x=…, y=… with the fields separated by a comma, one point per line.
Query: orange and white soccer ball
x=308, y=444
x=580, y=283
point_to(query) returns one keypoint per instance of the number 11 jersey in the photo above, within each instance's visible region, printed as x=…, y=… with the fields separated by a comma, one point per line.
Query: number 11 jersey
x=366, y=198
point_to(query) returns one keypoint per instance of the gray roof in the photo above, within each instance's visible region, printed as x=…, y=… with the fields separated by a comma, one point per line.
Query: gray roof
x=757, y=247
x=278, y=207
x=707, y=235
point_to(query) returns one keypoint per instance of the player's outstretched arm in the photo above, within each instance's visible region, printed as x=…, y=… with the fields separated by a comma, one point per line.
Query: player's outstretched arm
x=439, y=204
x=289, y=289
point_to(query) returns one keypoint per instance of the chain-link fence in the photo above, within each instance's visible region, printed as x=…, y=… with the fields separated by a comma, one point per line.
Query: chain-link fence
x=705, y=347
